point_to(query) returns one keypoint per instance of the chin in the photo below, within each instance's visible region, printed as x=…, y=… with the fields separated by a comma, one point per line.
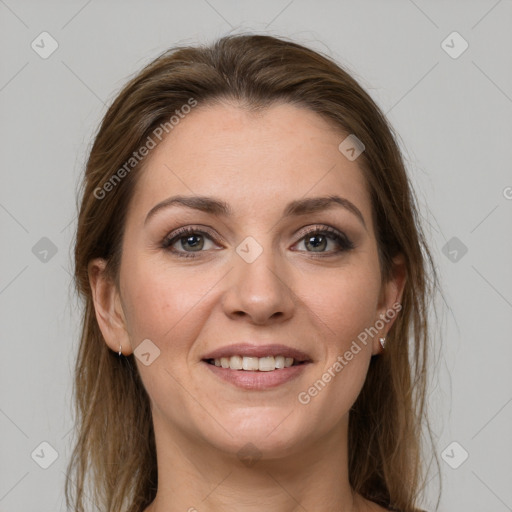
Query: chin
x=269, y=433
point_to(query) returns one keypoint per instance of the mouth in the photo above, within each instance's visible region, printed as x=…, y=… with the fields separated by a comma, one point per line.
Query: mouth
x=256, y=367
x=255, y=364
x=262, y=358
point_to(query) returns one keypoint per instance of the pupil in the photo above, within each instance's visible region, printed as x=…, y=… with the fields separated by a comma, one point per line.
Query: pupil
x=196, y=245
x=320, y=244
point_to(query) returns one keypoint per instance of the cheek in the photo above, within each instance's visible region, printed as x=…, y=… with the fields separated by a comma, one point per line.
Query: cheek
x=344, y=301
x=161, y=301
x=346, y=304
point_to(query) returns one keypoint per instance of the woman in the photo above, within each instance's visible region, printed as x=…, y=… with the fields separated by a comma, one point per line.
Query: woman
x=255, y=283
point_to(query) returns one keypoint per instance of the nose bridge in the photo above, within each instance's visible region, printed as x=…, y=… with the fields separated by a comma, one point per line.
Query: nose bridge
x=258, y=283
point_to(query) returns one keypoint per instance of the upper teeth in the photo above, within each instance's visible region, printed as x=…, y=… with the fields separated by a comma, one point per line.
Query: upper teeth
x=263, y=364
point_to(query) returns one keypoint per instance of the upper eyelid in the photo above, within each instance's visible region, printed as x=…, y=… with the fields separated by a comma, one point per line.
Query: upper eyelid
x=209, y=230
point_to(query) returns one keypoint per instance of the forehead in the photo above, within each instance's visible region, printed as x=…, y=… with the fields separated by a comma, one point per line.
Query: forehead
x=251, y=160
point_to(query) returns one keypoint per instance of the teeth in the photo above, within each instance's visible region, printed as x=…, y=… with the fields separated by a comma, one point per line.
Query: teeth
x=250, y=363
x=262, y=364
x=279, y=361
x=236, y=363
x=266, y=364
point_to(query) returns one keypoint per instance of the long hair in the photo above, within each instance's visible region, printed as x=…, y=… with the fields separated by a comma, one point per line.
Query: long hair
x=113, y=464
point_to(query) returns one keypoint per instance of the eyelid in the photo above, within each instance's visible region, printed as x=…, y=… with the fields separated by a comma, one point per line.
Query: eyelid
x=318, y=227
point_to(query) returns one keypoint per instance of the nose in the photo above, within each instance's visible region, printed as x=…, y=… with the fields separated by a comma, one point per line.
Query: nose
x=259, y=291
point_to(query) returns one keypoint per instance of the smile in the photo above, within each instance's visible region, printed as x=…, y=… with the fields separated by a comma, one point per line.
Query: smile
x=256, y=379
x=262, y=364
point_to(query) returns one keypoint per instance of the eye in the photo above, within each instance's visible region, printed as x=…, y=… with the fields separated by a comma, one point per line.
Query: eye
x=189, y=241
x=185, y=239
x=317, y=240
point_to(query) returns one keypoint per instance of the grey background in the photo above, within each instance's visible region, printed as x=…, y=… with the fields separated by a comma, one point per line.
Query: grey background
x=452, y=114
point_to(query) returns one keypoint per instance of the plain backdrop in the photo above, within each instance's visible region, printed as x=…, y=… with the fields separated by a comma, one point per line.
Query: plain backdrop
x=451, y=106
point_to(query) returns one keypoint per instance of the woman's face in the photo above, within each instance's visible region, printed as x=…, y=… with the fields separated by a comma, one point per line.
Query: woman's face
x=252, y=276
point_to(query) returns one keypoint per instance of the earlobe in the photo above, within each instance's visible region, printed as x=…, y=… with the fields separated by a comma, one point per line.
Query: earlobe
x=390, y=300
x=108, y=308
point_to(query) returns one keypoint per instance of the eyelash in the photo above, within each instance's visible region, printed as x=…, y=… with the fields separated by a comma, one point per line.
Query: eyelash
x=341, y=239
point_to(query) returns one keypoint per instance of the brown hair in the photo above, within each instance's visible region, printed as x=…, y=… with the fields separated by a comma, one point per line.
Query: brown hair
x=115, y=447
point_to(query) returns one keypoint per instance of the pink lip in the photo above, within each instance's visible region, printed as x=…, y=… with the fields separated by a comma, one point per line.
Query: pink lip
x=256, y=380
x=250, y=350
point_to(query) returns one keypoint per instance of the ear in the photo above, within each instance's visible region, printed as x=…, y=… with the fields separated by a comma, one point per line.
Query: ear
x=389, y=300
x=108, y=307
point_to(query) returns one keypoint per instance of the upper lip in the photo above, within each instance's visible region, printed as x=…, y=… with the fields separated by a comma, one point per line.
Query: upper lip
x=250, y=350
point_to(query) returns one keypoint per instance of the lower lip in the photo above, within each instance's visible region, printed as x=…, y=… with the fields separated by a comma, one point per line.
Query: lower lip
x=257, y=380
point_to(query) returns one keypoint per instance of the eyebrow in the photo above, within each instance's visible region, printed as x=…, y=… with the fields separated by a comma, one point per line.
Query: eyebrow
x=221, y=208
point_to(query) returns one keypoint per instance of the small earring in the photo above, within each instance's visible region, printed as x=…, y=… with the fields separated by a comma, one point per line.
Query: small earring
x=120, y=349
x=382, y=342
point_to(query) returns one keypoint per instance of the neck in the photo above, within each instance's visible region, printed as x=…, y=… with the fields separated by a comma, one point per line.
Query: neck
x=194, y=476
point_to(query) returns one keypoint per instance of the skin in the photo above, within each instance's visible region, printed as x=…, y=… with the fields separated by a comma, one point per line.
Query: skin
x=257, y=163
